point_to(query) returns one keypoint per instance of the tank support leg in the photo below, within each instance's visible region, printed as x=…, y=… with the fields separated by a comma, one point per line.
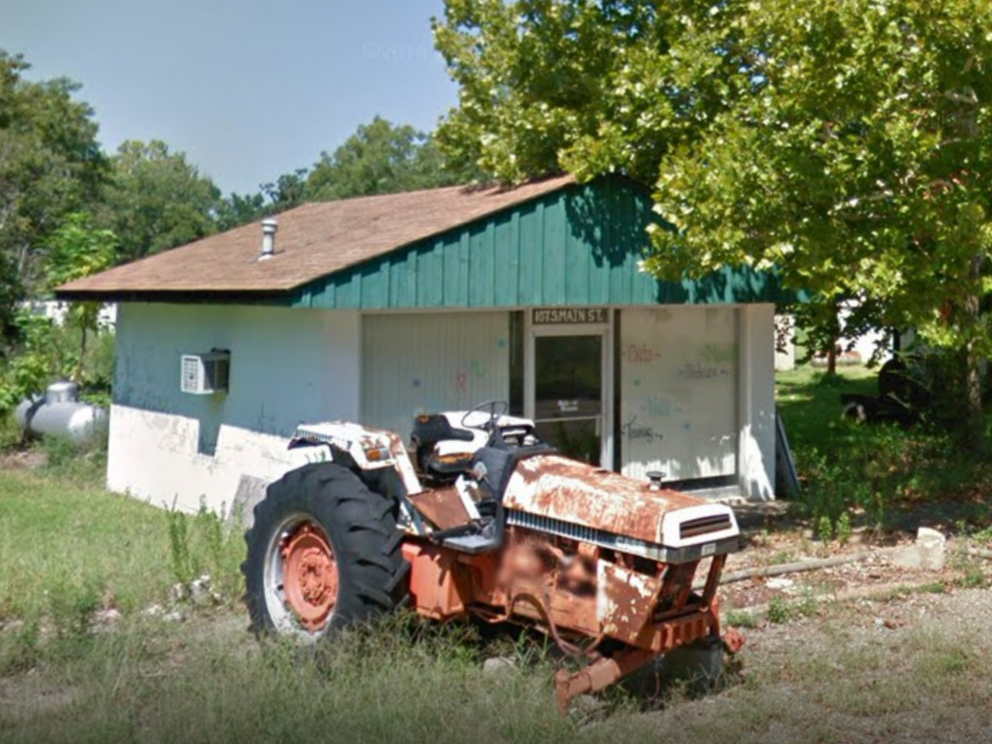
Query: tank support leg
x=598, y=675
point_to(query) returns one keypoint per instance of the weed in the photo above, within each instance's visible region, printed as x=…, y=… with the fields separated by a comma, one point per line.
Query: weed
x=983, y=535
x=71, y=603
x=825, y=528
x=60, y=451
x=780, y=610
x=972, y=570
x=184, y=568
x=855, y=469
x=974, y=578
x=81, y=462
x=10, y=432
x=843, y=529
x=807, y=605
x=19, y=647
x=741, y=619
x=199, y=544
x=781, y=557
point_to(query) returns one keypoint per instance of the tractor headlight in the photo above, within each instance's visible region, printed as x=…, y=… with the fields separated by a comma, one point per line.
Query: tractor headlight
x=377, y=454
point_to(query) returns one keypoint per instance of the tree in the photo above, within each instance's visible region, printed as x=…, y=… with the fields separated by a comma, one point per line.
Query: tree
x=158, y=199
x=77, y=250
x=50, y=165
x=857, y=163
x=844, y=144
x=240, y=209
x=288, y=191
x=586, y=86
x=379, y=158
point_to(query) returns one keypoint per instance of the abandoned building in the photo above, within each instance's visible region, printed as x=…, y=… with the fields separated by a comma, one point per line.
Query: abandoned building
x=374, y=309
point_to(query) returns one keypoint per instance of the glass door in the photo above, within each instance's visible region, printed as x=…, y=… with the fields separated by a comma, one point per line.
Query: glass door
x=568, y=394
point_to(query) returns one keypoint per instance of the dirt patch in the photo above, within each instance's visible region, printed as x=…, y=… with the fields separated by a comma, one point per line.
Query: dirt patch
x=772, y=536
x=909, y=670
x=28, y=459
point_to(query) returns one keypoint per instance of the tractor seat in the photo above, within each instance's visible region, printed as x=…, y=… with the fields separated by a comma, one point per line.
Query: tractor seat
x=446, y=446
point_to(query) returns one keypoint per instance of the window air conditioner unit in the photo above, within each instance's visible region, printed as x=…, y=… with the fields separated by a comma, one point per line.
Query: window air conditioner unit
x=205, y=374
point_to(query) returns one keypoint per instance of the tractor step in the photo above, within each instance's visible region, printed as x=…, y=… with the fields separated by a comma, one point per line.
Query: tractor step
x=472, y=544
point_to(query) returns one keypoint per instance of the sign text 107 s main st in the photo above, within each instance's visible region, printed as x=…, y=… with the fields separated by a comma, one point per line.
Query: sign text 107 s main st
x=568, y=315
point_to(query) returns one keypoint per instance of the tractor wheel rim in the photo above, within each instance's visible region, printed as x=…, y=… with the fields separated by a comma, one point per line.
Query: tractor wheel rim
x=310, y=575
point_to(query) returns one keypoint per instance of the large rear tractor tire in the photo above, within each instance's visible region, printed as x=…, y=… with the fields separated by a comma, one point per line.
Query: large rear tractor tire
x=324, y=553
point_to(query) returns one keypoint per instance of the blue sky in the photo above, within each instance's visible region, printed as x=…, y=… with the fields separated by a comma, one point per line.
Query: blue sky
x=248, y=89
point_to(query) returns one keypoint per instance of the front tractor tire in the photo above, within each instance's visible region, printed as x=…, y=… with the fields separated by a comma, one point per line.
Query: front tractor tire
x=324, y=553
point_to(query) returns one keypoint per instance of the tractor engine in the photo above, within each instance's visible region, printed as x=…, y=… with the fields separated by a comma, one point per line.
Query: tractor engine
x=598, y=560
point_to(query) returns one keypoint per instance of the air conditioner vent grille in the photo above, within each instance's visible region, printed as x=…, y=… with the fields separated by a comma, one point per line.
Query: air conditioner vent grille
x=205, y=374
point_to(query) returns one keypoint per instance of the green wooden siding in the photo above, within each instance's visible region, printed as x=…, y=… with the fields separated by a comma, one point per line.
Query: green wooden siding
x=578, y=246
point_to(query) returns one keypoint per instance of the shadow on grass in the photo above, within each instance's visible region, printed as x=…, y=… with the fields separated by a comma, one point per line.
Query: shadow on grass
x=877, y=476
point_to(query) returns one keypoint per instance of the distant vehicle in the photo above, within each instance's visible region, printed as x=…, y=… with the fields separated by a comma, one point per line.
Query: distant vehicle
x=904, y=393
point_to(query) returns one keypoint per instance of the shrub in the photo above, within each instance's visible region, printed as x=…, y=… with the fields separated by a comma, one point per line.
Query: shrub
x=10, y=432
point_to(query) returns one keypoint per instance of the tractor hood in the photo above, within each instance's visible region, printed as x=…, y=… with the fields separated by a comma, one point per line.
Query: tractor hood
x=562, y=494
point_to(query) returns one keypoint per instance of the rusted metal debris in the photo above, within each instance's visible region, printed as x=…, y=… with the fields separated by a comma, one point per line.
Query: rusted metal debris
x=624, y=601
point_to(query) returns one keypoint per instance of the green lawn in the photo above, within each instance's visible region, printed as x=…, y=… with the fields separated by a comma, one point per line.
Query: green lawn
x=809, y=403
x=68, y=548
x=57, y=536
x=865, y=474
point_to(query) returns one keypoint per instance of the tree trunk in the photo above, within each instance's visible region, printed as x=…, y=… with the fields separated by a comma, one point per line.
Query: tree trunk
x=835, y=331
x=78, y=377
x=974, y=414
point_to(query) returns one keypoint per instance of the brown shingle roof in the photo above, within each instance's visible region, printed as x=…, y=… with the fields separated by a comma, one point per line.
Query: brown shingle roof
x=313, y=240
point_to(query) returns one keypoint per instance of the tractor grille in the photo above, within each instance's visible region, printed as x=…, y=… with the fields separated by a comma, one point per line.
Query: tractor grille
x=581, y=533
x=704, y=526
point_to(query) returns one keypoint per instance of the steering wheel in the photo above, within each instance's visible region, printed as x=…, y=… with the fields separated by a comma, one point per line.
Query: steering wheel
x=495, y=408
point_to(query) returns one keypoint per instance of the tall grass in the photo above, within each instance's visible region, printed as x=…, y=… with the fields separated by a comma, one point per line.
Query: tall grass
x=398, y=682
x=66, y=550
x=401, y=682
x=69, y=549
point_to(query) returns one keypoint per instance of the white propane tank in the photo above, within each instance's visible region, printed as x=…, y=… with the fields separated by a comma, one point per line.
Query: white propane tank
x=58, y=413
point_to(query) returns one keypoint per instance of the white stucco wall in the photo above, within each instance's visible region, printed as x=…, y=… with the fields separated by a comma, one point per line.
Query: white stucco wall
x=287, y=366
x=785, y=342
x=679, y=391
x=290, y=366
x=429, y=362
x=756, y=450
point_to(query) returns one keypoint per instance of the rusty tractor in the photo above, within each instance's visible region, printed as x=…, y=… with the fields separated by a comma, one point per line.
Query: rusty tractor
x=482, y=519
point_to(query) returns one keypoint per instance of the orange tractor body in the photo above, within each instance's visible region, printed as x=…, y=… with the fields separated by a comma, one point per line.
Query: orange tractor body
x=482, y=519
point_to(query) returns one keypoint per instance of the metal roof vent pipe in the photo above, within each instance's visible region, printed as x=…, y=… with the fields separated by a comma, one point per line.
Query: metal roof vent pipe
x=269, y=227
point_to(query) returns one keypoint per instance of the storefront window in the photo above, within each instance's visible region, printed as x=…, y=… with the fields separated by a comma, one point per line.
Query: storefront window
x=568, y=394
